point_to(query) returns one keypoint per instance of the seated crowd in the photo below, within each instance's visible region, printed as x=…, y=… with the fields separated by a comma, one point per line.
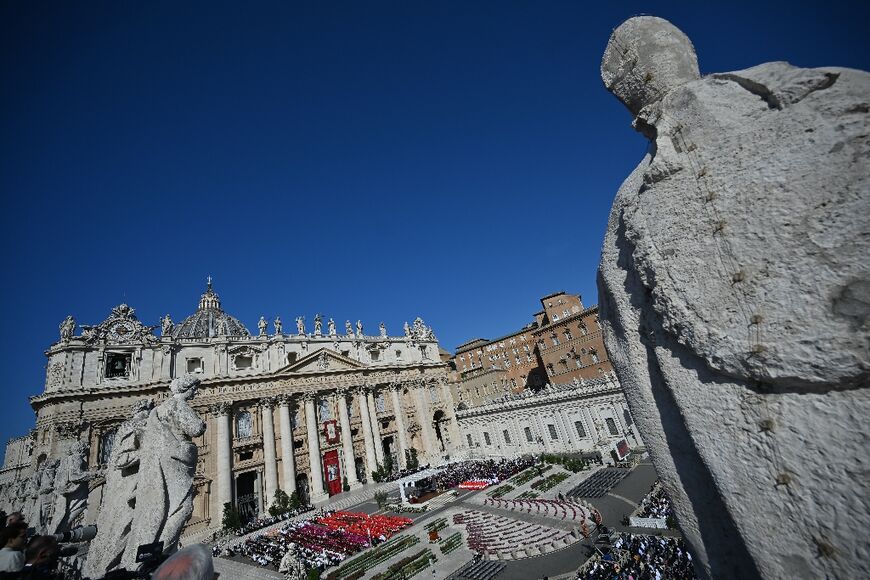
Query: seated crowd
x=480, y=470
x=266, y=521
x=638, y=557
x=656, y=504
x=320, y=542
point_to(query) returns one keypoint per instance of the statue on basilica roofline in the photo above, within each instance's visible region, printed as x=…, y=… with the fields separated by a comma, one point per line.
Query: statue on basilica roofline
x=348, y=328
x=359, y=329
x=262, y=325
x=330, y=325
x=383, y=330
x=166, y=325
x=318, y=324
x=279, y=327
x=407, y=330
x=67, y=328
x=300, y=325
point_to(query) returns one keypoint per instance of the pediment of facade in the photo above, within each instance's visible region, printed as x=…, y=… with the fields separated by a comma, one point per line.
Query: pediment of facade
x=323, y=360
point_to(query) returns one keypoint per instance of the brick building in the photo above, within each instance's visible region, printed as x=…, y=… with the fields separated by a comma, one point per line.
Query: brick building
x=563, y=342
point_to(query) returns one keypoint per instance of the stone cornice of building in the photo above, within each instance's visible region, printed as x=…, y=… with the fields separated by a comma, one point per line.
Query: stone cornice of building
x=607, y=385
x=569, y=318
x=79, y=343
x=215, y=389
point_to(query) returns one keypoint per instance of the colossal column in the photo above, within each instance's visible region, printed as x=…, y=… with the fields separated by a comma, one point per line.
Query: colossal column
x=315, y=462
x=365, y=417
x=590, y=423
x=401, y=432
x=347, y=441
x=425, y=420
x=376, y=428
x=288, y=465
x=221, y=413
x=453, y=423
x=269, y=455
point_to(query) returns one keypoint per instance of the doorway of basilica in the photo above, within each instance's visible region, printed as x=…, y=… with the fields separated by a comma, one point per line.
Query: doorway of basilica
x=247, y=496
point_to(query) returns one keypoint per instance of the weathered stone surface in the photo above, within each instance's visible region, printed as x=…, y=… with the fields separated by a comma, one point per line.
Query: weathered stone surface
x=734, y=294
x=164, y=495
x=115, y=520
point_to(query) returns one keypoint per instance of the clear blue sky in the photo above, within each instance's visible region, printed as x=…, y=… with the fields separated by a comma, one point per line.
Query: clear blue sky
x=374, y=160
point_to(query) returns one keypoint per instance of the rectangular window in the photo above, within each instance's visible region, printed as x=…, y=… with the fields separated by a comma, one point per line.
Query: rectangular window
x=507, y=437
x=580, y=430
x=118, y=365
x=194, y=365
x=486, y=438
x=375, y=355
x=553, y=434
x=555, y=341
x=243, y=362
x=398, y=355
x=555, y=317
x=528, y=433
x=611, y=426
x=468, y=436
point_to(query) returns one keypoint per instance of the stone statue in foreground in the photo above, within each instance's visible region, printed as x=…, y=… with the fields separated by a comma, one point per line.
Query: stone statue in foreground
x=115, y=519
x=70, y=489
x=167, y=461
x=734, y=285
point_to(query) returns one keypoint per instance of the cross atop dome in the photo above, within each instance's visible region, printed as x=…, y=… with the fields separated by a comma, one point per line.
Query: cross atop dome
x=209, y=300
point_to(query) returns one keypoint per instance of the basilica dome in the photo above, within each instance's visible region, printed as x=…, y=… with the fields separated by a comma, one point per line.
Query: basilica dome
x=209, y=320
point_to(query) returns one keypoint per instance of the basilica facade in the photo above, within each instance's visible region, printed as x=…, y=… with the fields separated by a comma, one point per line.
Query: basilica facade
x=315, y=410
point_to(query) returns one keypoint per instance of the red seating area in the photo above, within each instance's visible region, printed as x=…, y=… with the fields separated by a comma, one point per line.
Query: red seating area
x=474, y=484
x=363, y=524
x=507, y=538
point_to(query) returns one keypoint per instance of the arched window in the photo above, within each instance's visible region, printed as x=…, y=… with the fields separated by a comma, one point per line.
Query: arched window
x=594, y=354
x=244, y=425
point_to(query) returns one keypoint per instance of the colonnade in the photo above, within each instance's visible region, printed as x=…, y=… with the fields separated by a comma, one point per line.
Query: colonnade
x=371, y=432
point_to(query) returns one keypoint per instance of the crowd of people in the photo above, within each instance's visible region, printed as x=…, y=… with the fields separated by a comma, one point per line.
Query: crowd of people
x=26, y=557
x=638, y=557
x=320, y=542
x=480, y=470
x=266, y=521
x=656, y=504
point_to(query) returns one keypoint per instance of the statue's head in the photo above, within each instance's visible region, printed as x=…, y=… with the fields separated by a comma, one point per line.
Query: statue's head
x=184, y=386
x=645, y=59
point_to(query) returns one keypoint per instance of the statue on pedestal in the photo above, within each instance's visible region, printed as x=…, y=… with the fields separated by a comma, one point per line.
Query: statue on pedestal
x=278, y=326
x=331, y=326
x=166, y=325
x=382, y=328
x=70, y=488
x=262, y=325
x=300, y=325
x=67, y=328
x=318, y=324
x=348, y=328
x=119, y=495
x=359, y=329
x=167, y=463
